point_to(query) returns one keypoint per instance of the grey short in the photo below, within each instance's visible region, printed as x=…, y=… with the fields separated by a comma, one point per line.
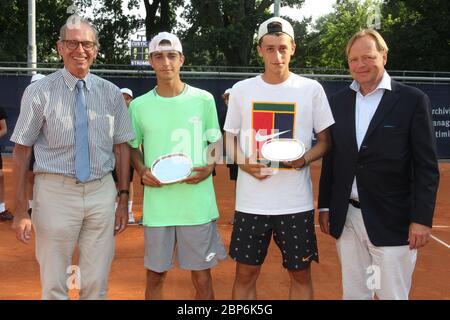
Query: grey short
x=197, y=247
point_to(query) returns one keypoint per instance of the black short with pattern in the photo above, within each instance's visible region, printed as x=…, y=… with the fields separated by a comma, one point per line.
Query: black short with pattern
x=294, y=234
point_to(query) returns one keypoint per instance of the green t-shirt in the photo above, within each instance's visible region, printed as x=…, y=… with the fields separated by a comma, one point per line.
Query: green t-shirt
x=185, y=123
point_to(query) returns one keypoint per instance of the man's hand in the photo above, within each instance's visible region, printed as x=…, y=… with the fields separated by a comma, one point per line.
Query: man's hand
x=324, y=221
x=419, y=235
x=22, y=226
x=148, y=179
x=296, y=164
x=200, y=174
x=121, y=217
x=22, y=221
x=257, y=170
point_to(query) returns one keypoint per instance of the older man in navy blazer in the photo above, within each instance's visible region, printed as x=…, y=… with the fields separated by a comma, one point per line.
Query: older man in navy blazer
x=379, y=182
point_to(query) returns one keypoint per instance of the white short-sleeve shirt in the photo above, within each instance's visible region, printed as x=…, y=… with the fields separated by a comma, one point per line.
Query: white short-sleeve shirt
x=298, y=106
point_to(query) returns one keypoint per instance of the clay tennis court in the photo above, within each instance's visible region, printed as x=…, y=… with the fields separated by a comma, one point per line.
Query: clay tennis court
x=20, y=272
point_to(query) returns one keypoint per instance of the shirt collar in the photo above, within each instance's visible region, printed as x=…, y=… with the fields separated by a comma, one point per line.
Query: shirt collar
x=71, y=80
x=385, y=84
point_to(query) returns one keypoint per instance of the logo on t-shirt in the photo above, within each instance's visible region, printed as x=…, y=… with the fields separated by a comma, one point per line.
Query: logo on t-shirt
x=261, y=138
x=272, y=120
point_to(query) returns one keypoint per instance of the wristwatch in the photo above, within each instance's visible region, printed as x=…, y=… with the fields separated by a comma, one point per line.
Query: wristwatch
x=123, y=191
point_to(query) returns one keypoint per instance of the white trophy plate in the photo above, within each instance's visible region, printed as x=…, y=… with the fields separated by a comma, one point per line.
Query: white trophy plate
x=283, y=149
x=172, y=168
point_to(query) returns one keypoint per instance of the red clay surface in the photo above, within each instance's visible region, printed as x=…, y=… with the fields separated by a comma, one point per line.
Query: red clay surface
x=20, y=271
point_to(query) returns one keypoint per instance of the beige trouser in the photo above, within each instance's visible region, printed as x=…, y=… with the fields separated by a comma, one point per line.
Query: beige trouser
x=65, y=214
x=367, y=269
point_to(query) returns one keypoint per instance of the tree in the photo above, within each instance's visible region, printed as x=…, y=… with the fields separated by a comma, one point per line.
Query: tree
x=221, y=32
x=302, y=56
x=12, y=47
x=113, y=24
x=326, y=44
x=114, y=27
x=167, y=18
x=50, y=15
x=416, y=31
x=418, y=34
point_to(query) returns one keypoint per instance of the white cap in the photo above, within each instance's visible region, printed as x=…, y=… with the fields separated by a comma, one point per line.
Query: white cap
x=175, y=43
x=127, y=91
x=228, y=91
x=273, y=25
x=37, y=77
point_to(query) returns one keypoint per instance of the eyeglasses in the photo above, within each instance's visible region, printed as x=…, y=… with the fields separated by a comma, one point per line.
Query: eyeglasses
x=74, y=44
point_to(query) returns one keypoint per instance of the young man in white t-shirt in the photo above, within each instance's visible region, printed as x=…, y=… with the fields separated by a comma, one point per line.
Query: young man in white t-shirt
x=275, y=198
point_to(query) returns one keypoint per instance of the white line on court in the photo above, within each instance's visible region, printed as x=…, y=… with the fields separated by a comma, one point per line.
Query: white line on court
x=440, y=241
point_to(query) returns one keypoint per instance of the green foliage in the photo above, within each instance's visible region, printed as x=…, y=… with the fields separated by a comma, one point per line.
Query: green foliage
x=160, y=16
x=326, y=44
x=418, y=34
x=416, y=31
x=11, y=48
x=222, y=32
x=114, y=28
x=50, y=15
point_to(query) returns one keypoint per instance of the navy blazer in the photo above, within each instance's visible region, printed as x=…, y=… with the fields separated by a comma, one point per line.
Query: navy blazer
x=396, y=167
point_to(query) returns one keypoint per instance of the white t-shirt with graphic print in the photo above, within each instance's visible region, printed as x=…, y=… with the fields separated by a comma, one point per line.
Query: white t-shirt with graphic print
x=298, y=107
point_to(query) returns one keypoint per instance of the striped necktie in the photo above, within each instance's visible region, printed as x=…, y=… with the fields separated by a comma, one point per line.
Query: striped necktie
x=82, y=167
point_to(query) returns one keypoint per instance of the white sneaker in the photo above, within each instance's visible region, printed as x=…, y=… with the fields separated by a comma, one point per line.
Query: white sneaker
x=131, y=218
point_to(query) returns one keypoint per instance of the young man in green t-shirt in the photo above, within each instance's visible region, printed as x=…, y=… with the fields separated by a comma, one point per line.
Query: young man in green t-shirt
x=175, y=117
